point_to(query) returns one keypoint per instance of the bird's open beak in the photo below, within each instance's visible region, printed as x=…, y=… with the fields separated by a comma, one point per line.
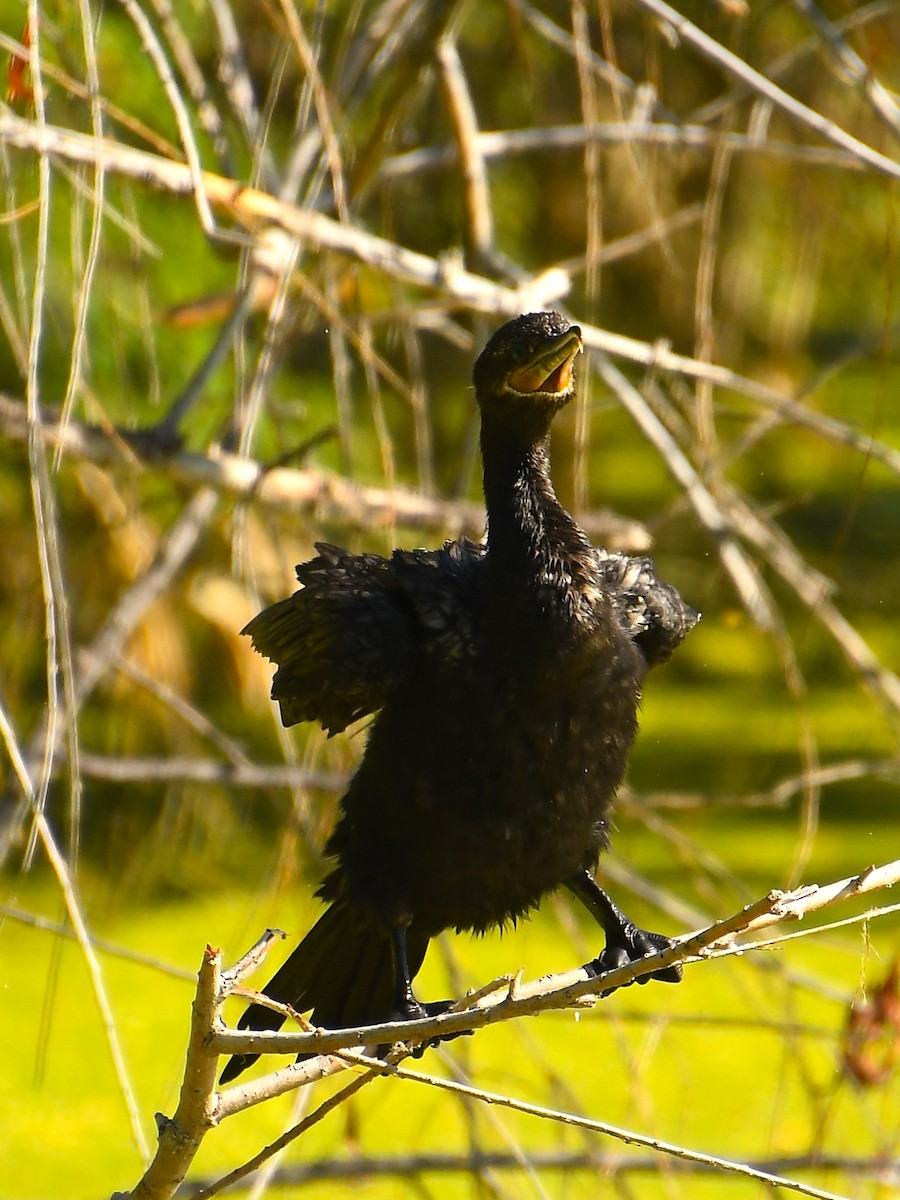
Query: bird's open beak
x=551, y=371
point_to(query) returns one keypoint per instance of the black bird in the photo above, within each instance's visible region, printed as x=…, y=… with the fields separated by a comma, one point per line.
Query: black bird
x=505, y=678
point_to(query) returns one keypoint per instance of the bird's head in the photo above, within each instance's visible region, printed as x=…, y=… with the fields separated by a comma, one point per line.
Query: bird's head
x=528, y=367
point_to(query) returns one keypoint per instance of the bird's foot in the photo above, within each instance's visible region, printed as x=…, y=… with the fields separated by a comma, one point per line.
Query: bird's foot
x=631, y=944
x=410, y=1009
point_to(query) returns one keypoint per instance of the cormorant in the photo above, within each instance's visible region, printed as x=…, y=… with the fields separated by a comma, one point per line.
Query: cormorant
x=505, y=679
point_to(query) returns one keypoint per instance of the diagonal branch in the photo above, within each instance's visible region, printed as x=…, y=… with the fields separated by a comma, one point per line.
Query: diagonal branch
x=738, y=69
x=254, y=209
x=509, y=999
x=628, y=1136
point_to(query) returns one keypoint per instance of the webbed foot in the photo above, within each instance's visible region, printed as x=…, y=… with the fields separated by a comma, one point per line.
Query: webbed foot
x=625, y=942
x=630, y=944
x=412, y=1009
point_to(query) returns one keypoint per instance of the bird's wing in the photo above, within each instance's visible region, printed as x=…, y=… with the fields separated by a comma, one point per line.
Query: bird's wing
x=349, y=636
x=444, y=588
x=651, y=610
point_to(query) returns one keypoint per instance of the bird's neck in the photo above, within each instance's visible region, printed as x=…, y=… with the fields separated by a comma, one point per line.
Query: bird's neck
x=530, y=534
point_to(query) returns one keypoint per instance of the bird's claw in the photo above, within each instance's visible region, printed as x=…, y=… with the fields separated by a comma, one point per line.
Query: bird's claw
x=631, y=945
x=412, y=1010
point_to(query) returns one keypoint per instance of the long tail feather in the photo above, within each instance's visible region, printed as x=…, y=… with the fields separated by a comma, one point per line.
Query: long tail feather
x=342, y=971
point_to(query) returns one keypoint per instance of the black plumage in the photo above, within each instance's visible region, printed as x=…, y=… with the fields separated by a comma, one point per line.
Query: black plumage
x=505, y=678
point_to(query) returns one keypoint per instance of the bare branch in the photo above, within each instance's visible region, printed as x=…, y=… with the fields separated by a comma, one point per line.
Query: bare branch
x=74, y=912
x=848, y=62
x=254, y=208
x=181, y=1135
x=36, y=921
x=157, y=56
x=290, y=1135
x=502, y=143
x=331, y=496
x=628, y=1136
x=609, y=1165
x=571, y=988
x=119, y=769
x=479, y=217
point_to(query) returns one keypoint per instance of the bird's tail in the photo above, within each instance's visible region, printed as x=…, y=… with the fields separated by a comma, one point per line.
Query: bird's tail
x=342, y=970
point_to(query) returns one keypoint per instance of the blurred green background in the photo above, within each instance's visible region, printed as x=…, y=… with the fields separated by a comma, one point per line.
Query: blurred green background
x=763, y=259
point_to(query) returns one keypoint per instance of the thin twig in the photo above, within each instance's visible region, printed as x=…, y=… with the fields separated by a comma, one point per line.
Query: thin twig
x=208, y=115
x=235, y=79
x=745, y=578
x=156, y=54
x=629, y=1136
x=82, y=303
x=117, y=769
x=479, y=222
x=73, y=909
x=366, y=1167
x=36, y=921
x=742, y=71
x=848, y=63
x=289, y=1135
x=502, y=143
x=778, y=796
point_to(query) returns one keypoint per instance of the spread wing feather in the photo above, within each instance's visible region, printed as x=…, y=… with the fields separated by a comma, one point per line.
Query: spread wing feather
x=653, y=611
x=350, y=635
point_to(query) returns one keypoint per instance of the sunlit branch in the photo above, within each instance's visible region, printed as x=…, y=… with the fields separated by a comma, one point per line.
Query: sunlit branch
x=333, y=497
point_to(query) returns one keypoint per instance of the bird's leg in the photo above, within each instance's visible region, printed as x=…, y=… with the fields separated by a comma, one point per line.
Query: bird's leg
x=625, y=942
x=406, y=1006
